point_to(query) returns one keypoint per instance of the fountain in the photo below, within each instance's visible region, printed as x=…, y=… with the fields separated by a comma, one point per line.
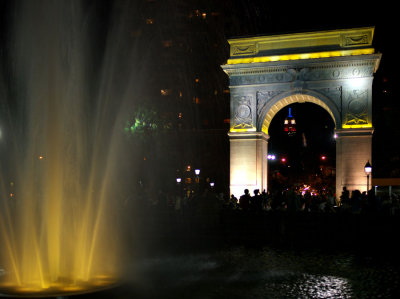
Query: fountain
x=63, y=87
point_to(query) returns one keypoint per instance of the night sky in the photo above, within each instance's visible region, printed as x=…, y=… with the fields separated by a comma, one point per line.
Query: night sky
x=260, y=17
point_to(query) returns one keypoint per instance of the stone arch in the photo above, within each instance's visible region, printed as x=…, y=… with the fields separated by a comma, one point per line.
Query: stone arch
x=333, y=69
x=282, y=100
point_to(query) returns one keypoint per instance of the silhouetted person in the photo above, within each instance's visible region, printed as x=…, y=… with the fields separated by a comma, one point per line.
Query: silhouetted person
x=233, y=202
x=345, y=198
x=244, y=200
x=256, y=201
x=355, y=201
x=264, y=200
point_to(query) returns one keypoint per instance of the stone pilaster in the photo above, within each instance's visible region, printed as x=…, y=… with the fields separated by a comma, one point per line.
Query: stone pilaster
x=248, y=161
x=353, y=150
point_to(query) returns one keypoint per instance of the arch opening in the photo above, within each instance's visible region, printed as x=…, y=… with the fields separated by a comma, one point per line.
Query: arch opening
x=307, y=158
x=279, y=104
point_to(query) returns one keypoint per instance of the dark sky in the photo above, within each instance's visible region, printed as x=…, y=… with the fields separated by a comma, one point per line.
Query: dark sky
x=261, y=17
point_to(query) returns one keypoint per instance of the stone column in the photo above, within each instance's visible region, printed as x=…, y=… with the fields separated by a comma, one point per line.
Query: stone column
x=248, y=161
x=353, y=150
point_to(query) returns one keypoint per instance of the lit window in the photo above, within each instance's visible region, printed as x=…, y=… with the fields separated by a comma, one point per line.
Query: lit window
x=149, y=21
x=293, y=122
x=196, y=100
x=226, y=91
x=136, y=33
x=180, y=94
x=167, y=43
x=204, y=15
x=180, y=115
x=165, y=92
x=286, y=122
x=197, y=80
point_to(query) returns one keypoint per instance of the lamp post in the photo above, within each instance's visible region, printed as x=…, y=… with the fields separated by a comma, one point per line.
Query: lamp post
x=197, y=179
x=270, y=158
x=368, y=170
x=178, y=184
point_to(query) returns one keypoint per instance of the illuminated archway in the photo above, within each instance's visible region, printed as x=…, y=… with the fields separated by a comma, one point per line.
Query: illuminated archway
x=282, y=101
x=333, y=69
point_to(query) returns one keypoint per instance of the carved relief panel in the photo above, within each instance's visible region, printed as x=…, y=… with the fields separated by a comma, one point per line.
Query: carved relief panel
x=356, y=105
x=242, y=112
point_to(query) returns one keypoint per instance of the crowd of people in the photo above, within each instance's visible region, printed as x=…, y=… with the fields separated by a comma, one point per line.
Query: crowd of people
x=290, y=200
x=295, y=201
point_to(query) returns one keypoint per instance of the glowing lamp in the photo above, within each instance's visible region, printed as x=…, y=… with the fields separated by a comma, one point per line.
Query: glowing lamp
x=178, y=180
x=368, y=170
x=212, y=184
x=197, y=171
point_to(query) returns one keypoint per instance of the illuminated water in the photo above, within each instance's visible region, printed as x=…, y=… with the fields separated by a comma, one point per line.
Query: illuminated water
x=62, y=89
x=263, y=272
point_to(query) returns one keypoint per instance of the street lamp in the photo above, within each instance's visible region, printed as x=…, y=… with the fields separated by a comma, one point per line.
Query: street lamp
x=178, y=180
x=368, y=170
x=197, y=179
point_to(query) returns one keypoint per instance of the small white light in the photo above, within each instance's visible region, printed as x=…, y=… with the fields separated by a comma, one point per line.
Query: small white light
x=178, y=180
x=197, y=171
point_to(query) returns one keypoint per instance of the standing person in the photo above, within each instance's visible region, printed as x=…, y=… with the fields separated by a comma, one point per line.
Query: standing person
x=256, y=201
x=264, y=200
x=244, y=200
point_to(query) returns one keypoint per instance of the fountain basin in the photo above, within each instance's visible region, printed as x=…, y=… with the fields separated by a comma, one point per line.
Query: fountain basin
x=61, y=287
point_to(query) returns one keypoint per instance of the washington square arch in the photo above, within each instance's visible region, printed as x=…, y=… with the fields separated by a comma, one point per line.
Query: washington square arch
x=333, y=69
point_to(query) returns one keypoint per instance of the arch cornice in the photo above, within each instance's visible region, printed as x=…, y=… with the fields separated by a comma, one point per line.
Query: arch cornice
x=285, y=98
x=333, y=68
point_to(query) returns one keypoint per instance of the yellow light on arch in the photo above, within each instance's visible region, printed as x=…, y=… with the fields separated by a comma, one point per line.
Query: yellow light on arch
x=314, y=55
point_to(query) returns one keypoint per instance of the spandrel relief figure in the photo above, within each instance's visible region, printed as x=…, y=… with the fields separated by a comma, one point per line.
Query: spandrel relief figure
x=243, y=115
x=357, y=108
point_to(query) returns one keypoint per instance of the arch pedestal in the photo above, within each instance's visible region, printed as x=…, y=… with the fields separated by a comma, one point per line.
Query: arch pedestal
x=248, y=166
x=353, y=150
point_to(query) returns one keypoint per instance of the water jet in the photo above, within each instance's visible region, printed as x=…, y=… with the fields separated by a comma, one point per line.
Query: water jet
x=60, y=185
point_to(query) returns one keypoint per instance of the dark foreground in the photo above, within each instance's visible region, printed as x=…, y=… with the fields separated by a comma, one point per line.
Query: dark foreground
x=265, y=255
x=233, y=254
